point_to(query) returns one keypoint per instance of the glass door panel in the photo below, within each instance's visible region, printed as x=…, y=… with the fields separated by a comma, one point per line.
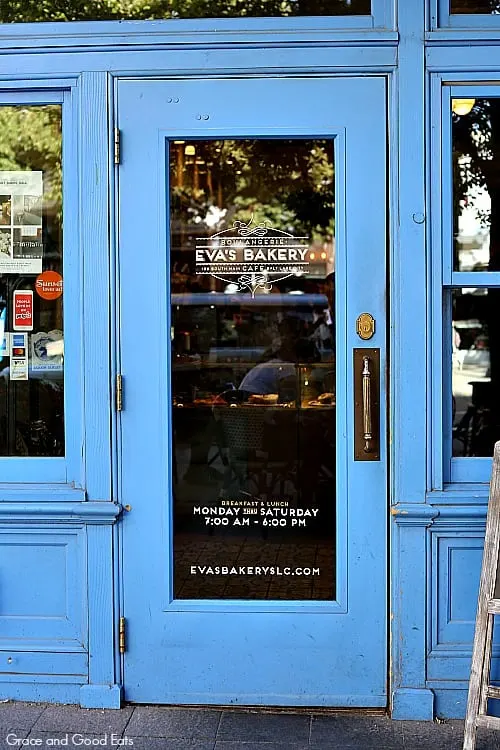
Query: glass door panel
x=253, y=368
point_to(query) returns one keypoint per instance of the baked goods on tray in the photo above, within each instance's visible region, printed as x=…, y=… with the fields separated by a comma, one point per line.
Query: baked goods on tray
x=324, y=399
x=268, y=399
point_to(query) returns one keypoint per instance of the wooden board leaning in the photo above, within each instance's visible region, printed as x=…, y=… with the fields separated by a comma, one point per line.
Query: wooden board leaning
x=488, y=606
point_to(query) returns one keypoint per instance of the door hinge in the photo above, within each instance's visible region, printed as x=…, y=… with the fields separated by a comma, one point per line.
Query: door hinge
x=117, y=145
x=119, y=392
x=121, y=636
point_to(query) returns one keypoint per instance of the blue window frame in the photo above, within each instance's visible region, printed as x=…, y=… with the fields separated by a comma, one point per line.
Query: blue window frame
x=30, y=477
x=446, y=281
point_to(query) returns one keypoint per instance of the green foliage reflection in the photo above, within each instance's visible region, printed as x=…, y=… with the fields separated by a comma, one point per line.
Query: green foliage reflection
x=288, y=183
x=30, y=139
x=105, y=10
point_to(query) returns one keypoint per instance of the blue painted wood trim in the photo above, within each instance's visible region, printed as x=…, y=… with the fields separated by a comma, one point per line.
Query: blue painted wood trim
x=139, y=39
x=465, y=60
x=94, y=207
x=413, y=514
x=409, y=604
x=100, y=696
x=36, y=666
x=83, y=513
x=57, y=646
x=409, y=276
x=435, y=270
x=47, y=692
x=118, y=600
x=21, y=492
x=30, y=96
x=27, y=470
x=74, y=359
x=432, y=15
x=416, y=704
x=470, y=469
x=450, y=703
x=105, y=693
x=471, y=494
x=37, y=83
x=453, y=37
x=114, y=296
x=260, y=60
x=475, y=90
x=481, y=278
x=459, y=517
x=408, y=354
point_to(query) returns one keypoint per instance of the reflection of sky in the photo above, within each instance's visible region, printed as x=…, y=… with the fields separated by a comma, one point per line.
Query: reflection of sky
x=472, y=233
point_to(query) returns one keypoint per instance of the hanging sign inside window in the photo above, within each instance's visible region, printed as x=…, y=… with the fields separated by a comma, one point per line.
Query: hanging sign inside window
x=23, y=310
x=21, y=246
x=252, y=256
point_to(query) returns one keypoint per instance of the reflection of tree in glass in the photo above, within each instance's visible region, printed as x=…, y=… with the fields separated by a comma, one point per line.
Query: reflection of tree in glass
x=476, y=136
x=85, y=10
x=287, y=183
x=30, y=138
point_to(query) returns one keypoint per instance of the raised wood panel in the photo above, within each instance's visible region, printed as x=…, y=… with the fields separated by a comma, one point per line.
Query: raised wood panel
x=42, y=588
x=35, y=665
x=455, y=569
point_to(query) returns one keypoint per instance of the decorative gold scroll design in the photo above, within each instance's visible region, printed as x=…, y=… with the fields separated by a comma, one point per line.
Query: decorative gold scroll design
x=251, y=256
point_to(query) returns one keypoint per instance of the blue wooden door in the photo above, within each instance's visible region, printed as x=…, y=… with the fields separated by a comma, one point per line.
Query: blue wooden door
x=252, y=235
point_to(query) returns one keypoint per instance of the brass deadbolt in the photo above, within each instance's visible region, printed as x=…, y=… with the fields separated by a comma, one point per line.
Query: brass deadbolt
x=365, y=326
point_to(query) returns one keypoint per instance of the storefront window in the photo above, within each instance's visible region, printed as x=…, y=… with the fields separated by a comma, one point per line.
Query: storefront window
x=475, y=371
x=473, y=310
x=52, y=10
x=31, y=311
x=475, y=6
x=253, y=369
x=476, y=200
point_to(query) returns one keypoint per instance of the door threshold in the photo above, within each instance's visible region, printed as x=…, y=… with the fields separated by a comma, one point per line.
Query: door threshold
x=318, y=710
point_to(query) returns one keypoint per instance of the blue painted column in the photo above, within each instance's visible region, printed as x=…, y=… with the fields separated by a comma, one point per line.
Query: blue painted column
x=103, y=689
x=410, y=697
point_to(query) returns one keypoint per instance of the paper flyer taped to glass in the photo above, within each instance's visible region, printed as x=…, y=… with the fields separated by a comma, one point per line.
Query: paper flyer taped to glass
x=21, y=202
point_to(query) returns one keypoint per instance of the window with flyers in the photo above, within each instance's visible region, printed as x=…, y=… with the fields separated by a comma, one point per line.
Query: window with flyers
x=31, y=282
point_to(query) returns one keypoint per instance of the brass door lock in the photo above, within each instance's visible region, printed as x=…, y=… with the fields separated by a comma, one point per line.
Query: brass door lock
x=365, y=326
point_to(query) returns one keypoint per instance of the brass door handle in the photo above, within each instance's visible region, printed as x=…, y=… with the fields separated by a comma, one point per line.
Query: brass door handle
x=367, y=405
